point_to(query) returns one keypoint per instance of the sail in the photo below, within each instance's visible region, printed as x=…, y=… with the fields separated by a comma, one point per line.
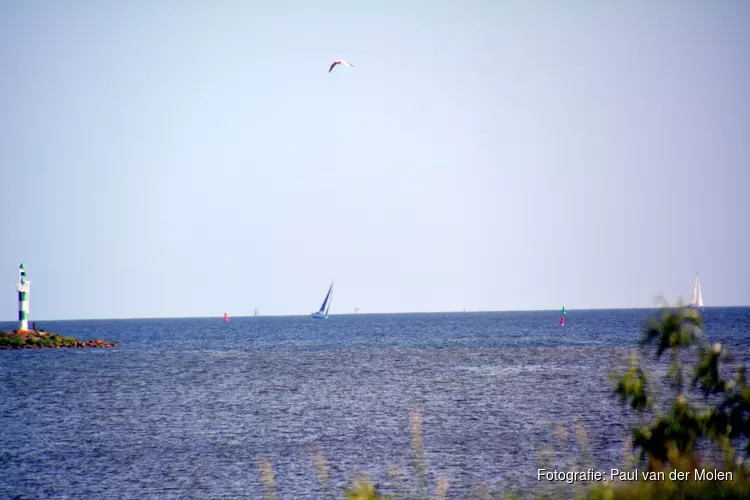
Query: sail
x=330, y=296
x=697, y=294
x=325, y=301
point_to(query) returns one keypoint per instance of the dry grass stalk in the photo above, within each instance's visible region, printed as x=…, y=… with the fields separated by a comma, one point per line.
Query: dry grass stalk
x=442, y=488
x=269, y=482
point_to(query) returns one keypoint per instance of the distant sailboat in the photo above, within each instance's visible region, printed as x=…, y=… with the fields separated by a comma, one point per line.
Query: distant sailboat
x=256, y=313
x=323, y=312
x=697, y=294
x=226, y=317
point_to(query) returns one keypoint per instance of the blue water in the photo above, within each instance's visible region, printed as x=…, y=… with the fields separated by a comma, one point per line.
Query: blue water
x=186, y=407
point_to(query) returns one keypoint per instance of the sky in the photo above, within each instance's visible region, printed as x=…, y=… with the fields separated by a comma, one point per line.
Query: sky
x=169, y=158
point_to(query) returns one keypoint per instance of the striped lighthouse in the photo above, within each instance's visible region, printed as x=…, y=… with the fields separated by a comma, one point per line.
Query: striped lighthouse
x=24, y=287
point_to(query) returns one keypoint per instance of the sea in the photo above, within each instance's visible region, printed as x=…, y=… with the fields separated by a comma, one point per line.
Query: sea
x=191, y=408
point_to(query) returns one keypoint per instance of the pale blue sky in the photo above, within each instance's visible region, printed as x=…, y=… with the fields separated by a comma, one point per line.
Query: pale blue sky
x=190, y=158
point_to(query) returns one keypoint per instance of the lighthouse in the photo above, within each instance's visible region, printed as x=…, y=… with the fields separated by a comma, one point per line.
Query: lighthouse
x=24, y=286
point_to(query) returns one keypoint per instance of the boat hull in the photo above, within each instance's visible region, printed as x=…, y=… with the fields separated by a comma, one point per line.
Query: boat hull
x=319, y=315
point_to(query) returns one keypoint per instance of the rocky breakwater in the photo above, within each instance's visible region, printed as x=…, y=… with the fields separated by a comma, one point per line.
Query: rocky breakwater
x=33, y=339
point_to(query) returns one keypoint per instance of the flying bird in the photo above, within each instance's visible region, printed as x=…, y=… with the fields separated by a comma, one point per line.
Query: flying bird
x=339, y=61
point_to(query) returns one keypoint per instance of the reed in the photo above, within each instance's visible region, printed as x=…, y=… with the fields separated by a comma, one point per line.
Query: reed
x=267, y=476
x=321, y=470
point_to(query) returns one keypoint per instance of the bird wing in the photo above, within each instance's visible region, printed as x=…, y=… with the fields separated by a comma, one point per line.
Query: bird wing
x=333, y=65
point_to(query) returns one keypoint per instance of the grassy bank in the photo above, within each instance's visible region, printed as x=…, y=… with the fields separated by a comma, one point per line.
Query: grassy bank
x=32, y=339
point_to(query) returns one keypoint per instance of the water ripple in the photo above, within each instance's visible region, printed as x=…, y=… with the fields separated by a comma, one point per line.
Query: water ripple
x=185, y=408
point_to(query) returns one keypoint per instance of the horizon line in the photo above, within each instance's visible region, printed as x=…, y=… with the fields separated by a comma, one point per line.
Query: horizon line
x=461, y=311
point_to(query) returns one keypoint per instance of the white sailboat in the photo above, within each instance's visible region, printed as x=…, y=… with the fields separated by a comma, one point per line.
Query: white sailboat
x=697, y=294
x=323, y=312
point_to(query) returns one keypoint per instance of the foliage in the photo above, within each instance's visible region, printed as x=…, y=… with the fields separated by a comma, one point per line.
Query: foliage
x=633, y=386
x=363, y=490
x=16, y=339
x=720, y=425
x=35, y=339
